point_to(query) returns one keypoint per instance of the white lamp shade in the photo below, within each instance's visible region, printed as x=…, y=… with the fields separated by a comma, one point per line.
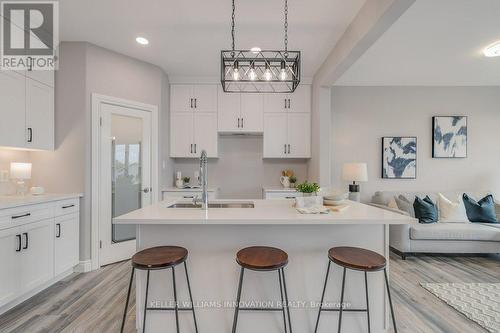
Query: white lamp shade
x=355, y=172
x=20, y=170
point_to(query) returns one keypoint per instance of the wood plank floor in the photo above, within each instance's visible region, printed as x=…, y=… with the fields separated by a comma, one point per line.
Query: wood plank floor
x=93, y=302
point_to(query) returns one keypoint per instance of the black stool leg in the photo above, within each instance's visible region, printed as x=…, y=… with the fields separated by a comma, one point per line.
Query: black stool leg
x=190, y=297
x=286, y=300
x=176, y=306
x=282, y=301
x=128, y=298
x=367, y=302
x=390, y=301
x=145, y=304
x=322, y=296
x=238, y=297
x=341, y=301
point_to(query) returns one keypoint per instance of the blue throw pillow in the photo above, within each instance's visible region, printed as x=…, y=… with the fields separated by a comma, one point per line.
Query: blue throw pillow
x=482, y=210
x=425, y=210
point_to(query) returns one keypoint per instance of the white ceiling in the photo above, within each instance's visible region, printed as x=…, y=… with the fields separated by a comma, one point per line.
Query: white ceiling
x=436, y=42
x=186, y=36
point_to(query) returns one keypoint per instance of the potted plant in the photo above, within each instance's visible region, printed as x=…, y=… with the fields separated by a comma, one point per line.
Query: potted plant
x=186, y=180
x=309, y=195
x=293, y=181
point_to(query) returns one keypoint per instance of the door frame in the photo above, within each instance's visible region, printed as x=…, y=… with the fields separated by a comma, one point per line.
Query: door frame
x=97, y=101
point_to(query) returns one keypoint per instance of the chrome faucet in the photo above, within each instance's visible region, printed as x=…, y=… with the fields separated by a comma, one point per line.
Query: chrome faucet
x=204, y=181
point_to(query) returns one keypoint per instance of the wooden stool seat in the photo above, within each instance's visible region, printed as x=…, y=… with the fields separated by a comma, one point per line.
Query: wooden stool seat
x=262, y=258
x=357, y=258
x=159, y=257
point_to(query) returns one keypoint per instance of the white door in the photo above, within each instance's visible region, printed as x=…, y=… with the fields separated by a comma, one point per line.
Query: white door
x=205, y=98
x=299, y=135
x=205, y=134
x=10, y=248
x=229, y=112
x=37, y=254
x=252, y=113
x=66, y=250
x=124, y=177
x=300, y=100
x=275, y=135
x=181, y=96
x=39, y=115
x=275, y=102
x=12, y=109
x=181, y=135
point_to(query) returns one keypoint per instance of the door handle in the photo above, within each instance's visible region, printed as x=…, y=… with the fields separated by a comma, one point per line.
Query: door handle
x=18, y=243
x=58, y=230
x=146, y=189
x=30, y=134
x=26, y=240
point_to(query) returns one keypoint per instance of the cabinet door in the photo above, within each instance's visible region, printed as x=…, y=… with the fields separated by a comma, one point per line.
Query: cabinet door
x=205, y=133
x=205, y=98
x=181, y=135
x=37, y=259
x=9, y=272
x=12, y=109
x=228, y=112
x=275, y=102
x=275, y=136
x=252, y=113
x=39, y=115
x=66, y=243
x=299, y=135
x=181, y=96
x=300, y=100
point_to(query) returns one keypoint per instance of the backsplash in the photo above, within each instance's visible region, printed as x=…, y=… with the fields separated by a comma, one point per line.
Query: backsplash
x=6, y=157
x=240, y=172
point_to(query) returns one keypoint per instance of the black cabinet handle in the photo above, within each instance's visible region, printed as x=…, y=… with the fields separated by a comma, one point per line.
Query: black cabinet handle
x=18, y=243
x=285, y=147
x=289, y=197
x=242, y=126
x=195, y=102
x=19, y=216
x=285, y=103
x=191, y=102
x=30, y=134
x=58, y=230
x=26, y=240
x=289, y=103
x=188, y=196
x=191, y=149
x=238, y=122
x=68, y=206
x=195, y=148
x=288, y=148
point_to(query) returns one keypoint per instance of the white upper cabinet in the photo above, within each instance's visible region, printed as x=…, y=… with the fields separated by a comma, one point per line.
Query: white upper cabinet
x=27, y=109
x=299, y=135
x=275, y=135
x=205, y=134
x=298, y=101
x=240, y=112
x=181, y=135
x=190, y=98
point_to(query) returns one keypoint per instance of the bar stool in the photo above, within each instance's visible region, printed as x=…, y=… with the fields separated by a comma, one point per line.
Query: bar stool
x=158, y=258
x=357, y=259
x=263, y=259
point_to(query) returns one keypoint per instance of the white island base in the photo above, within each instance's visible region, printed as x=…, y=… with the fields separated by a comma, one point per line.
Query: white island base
x=212, y=244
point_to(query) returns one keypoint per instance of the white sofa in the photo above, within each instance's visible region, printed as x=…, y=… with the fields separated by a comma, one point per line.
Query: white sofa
x=452, y=238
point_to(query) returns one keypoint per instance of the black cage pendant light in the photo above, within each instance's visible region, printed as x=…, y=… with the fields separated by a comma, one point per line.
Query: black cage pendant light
x=260, y=71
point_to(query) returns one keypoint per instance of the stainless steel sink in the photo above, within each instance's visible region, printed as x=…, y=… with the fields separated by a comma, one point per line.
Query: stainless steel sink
x=214, y=205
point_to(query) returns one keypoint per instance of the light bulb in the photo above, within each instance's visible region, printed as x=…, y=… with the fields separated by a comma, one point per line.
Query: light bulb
x=236, y=71
x=283, y=75
x=252, y=75
x=267, y=73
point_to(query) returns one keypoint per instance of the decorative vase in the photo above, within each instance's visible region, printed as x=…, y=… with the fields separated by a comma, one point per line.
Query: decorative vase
x=308, y=200
x=285, y=181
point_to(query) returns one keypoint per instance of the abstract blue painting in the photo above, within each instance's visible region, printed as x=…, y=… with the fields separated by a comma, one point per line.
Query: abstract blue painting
x=399, y=157
x=449, y=137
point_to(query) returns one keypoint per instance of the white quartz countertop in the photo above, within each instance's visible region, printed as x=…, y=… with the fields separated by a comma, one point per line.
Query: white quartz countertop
x=278, y=189
x=11, y=201
x=268, y=212
x=187, y=189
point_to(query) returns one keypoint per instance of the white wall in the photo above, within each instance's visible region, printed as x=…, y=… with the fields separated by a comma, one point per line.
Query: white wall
x=86, y=69
x=6, y=157
x=362, y=115
x=240, y=172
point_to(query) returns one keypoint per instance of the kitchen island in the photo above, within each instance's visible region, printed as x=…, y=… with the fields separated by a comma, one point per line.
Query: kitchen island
x=213, y=237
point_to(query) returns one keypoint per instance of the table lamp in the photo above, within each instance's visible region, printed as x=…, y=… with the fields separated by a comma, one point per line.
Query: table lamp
x=355, y=172
x=20, y=172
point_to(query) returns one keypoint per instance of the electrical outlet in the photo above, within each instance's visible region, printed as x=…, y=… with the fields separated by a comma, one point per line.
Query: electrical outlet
x=4, y=176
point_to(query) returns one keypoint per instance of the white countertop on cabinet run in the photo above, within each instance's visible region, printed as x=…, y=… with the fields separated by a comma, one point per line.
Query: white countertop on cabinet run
x=267, y=212
x=278, y=189
x=11, y=201
x=187, y=189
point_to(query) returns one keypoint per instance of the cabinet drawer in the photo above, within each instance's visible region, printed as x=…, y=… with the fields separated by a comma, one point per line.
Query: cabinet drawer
x=282, y=195
x=65, y=207
x=13, y=217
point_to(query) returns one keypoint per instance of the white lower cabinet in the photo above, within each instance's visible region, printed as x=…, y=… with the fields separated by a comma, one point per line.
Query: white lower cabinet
x=36, y=251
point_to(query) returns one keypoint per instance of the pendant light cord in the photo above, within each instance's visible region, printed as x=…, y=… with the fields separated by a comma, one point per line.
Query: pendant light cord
x=232, y=28
x=286, y=28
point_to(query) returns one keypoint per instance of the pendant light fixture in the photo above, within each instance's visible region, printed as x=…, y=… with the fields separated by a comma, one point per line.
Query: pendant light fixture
x=260, y=71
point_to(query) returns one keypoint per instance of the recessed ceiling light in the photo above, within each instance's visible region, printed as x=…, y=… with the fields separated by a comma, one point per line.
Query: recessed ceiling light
x=255, y=49
x=492, y=50
x=142, y=40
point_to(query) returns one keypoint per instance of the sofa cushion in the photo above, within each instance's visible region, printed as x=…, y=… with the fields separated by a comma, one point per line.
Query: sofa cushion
x=482, y=210
x=405, y=205
x=451, y=211
x=454, y=231
x=425, y=210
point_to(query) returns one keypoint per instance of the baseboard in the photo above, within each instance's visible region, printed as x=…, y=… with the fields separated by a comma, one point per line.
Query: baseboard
x=84, y=266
